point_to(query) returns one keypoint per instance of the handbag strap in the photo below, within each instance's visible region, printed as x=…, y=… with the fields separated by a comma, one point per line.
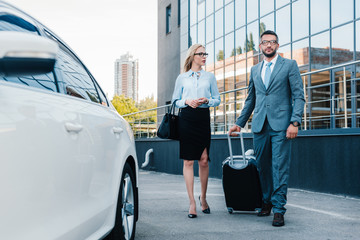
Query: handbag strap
x=172, y=108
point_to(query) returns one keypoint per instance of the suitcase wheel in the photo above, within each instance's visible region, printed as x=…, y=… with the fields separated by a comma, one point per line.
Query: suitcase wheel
x=230, y=210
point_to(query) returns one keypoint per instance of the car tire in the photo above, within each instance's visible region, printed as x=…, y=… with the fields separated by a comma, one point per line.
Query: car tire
x=125, y=220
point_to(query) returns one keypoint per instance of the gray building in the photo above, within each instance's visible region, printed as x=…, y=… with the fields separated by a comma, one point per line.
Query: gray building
x=168, y=48
x=126, y=80
x=230, y=31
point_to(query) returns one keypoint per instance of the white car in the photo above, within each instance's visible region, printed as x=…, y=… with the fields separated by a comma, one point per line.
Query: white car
x=68, y=166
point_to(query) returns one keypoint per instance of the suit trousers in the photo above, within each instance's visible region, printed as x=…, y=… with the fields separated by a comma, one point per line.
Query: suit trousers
x=272, y=151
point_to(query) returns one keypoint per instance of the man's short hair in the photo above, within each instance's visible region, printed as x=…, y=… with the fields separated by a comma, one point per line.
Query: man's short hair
x=269, y=32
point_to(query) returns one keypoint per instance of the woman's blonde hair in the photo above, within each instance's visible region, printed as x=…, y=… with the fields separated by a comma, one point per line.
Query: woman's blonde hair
x=190, y=56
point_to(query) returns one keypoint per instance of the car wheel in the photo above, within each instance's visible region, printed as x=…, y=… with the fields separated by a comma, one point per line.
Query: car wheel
x=125, y=220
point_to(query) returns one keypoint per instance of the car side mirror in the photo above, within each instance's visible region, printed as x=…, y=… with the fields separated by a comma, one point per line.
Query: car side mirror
x=24, y=54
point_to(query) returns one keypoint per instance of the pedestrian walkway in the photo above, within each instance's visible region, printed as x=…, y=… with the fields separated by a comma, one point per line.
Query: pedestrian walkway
x=310, y=215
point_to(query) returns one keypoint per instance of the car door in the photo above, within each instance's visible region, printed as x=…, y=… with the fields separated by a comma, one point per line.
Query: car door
x=59, y=151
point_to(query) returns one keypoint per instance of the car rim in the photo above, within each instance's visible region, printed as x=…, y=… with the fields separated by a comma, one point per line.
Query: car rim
x=127, y=210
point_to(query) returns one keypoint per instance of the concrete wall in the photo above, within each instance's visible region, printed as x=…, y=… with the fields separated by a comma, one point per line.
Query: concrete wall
x=168, y=51
x=324, y=161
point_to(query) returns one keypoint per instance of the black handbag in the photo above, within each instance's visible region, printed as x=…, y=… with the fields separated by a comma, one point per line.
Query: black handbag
x=168, y=128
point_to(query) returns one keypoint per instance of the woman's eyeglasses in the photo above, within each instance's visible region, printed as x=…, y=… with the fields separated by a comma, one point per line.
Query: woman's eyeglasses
x=202, y=54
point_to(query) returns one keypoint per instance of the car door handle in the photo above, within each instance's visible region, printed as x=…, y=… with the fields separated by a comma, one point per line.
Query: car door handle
x=117, y=130
x=72, y=127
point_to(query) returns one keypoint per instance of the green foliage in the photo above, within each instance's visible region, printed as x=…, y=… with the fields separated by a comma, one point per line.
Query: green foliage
x=250, y=45
x=262, y=28
x=220, y=55
x=124, y=105
x=145, y=104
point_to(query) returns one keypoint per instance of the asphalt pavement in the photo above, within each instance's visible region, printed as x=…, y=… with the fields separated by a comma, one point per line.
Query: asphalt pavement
x=310, y=215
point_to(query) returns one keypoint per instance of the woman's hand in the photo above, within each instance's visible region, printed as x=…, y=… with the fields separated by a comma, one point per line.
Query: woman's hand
x=203, y=100
x=193, y=103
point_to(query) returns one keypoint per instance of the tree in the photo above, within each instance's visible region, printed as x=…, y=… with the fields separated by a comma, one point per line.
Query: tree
x=262, y=27
x=147, y=103
x=124, y=105
x=220, y=55
x=239, y=50
x=250, y=45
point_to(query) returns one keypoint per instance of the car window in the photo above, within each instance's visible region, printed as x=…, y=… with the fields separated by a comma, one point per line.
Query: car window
x=75, y=81
x=10, y=22
x=43, y=81
x=102, y=95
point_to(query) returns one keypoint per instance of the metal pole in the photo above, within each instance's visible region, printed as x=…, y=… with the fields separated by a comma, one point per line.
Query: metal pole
x=345, y=105
x=305, y=116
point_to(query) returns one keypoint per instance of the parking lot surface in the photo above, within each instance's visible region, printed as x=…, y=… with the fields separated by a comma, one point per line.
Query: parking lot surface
x=310, y=215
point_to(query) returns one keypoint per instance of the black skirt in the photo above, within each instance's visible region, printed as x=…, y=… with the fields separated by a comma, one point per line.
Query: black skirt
x=195, y=135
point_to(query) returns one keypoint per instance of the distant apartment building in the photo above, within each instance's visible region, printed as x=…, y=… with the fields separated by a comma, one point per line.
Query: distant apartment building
x=127, y=77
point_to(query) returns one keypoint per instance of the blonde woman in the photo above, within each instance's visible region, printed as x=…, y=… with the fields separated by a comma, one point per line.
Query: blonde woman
x=196, y=90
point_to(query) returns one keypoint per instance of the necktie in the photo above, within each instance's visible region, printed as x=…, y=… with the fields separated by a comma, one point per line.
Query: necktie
x=267, y=74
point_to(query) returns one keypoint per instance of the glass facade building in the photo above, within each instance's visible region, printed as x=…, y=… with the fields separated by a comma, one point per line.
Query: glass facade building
x=319, y=34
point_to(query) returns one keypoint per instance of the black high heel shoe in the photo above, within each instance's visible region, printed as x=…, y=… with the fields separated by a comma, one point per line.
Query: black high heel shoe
x=206, y=211
x=192, y=215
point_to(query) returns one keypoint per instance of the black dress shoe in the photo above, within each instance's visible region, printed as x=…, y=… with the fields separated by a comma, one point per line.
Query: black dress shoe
x=207, y=210
x=265, y=210
x=192, y=215
x=278, y=220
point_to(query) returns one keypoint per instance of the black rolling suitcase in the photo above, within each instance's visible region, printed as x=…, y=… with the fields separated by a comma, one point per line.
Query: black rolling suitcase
x=241, y=182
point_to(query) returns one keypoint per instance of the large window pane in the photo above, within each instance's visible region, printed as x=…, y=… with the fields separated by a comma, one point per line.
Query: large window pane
x=342, y=98
x=280, y=3
x=229, y=46
x=342, y=11
x=318, y=103
x=218, y=4
x=201, y=32
x=300, y=19
x=240, y=64
x=267, y=23
x=210, y=58
x=209, y=7
x=357, y=8
x=210, y=28
x=358, y=39
x=240, y=41
x=229, y=18
x=219, y=63
x=266, y=6
x=252, y=10
x=357, y=94
x=253, y=37
x=229, y=61
x=240, y=13
x=219, y=50
x=201, y=10
x=219, y=23
x=300, y=53
x=193, y=37
x=321, y=21
x=283, y=25
x=193, y=11
x=320, y=51
x=284, y=51
x=342, y=44
x=184, y=42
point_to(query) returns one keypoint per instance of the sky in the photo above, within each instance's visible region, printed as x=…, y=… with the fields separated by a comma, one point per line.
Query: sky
x=99, y=32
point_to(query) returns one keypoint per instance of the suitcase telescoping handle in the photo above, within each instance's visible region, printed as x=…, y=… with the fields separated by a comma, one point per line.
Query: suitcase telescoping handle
x=242, y=146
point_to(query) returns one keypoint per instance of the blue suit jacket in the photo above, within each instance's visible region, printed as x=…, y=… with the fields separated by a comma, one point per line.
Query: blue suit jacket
x=281, y=103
